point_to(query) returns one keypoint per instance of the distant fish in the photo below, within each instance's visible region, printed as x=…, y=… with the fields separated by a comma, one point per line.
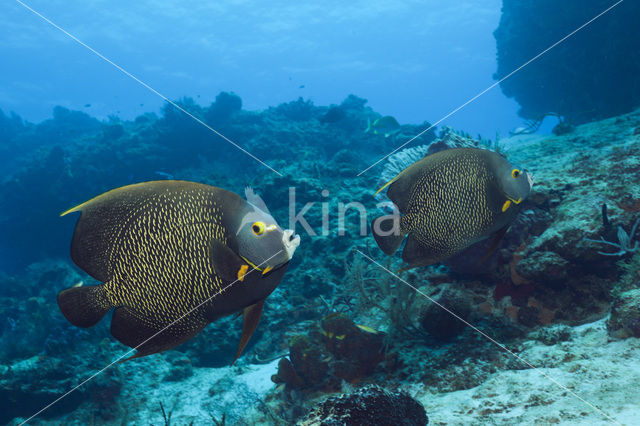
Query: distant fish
x=301, y=86
x=367, y=329
x=450, y=200
x=87, y=105
x=168, y=253
x=386, y=125
x=164, y=174
x=519, y=131
x=333, y=115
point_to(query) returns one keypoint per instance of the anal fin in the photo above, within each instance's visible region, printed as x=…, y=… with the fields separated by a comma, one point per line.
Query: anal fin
x=250, y=321
x=416, y=254
x=132, y=330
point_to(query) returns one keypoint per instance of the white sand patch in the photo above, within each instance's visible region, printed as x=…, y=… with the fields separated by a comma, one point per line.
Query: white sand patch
x=604, y=373
x=520, y=141
x=208, y=392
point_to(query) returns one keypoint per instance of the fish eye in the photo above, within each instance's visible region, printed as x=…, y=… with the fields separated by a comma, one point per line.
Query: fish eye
x=258, y=228
x=515, y=173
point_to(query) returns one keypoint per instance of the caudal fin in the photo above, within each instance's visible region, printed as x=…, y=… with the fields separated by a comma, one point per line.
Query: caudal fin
x=386, y=231
x=84, y=306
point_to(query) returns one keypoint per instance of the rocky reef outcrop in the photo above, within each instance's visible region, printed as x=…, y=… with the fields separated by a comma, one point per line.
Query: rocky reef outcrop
x=625, y=315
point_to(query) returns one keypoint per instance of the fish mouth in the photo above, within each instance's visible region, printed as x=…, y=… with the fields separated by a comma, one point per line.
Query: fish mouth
x=291, y=241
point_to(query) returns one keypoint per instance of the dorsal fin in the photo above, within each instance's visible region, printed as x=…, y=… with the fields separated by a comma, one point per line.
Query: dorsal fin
x=107, y=218
x=401, y=187
x=255, y=199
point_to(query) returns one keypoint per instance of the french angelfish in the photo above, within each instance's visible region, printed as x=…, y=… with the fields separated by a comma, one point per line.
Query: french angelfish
x=174, y=256
x=450, y=200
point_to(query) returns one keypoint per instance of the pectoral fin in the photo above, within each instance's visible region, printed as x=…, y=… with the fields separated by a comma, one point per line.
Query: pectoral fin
x=250, y=321
x=417, y=254
x=228, y=265
x=495, y=242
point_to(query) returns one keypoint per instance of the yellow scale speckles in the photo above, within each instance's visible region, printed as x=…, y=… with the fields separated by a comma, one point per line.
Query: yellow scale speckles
x=154, y=246
x=162, y=267
x=448, y=208
x=450, y=200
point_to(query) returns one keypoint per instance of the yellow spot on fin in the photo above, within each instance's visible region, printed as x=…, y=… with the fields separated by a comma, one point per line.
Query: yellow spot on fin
x=366, y=328
x=506, y=205
x=387, y=184
x=341, y=337
x=267, y=269
x=242, y=271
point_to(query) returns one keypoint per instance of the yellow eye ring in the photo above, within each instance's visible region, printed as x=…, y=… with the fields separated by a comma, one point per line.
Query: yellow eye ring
x=258, y=228
x=515, y=173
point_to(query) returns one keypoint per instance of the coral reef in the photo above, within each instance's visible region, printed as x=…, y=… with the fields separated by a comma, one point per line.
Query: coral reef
x=340, y=350
x=337, y=322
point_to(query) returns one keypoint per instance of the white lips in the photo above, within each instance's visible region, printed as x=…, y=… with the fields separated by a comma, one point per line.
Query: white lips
x=290, y=245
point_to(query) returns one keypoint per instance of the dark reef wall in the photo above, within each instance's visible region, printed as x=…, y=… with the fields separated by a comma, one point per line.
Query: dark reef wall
x=590, y=76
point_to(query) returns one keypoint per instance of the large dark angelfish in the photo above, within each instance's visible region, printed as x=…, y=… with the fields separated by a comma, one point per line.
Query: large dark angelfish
x=174, y=256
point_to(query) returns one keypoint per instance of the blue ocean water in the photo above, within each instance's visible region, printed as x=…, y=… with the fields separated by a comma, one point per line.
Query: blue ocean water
x=507, y=290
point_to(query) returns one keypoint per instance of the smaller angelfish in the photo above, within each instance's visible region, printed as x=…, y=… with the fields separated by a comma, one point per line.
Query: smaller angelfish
x=450, y=200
